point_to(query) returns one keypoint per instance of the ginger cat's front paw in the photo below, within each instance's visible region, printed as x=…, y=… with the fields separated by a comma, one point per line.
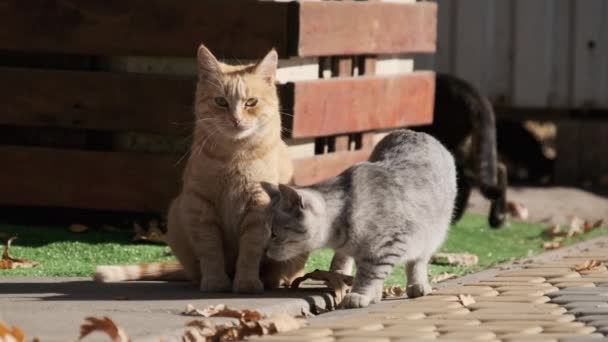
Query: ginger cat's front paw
x=247, y=285
x=418, y=290
x=355, y=300
x=216, y=283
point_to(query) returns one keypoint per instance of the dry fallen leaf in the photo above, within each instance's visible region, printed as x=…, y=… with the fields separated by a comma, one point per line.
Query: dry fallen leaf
x=517, y=210
x=554, y=230
x=588, y=265
x=455, y=259
x=11, y=334
x=587, y=227
x=8, y=262
x=394, y=291
x=152, y=234
x=553, y=244
x=78, y=228
x=575, y=226
x=339, y=283
x=221, y=310
x=466, y=300
x=104, y=325
x=443, y=277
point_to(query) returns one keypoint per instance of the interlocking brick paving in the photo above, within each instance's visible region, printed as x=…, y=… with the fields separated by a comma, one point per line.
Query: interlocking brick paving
x=541, y=301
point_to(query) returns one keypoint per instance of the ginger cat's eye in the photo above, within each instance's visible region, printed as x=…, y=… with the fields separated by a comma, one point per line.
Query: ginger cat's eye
x=251, y=102
x=220, y=101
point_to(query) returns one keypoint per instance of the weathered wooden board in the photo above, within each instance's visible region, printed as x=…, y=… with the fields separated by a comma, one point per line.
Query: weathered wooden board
x=348, y=28
x=34, y=176
x=144, y=27
x=163, y=104
x=341, y=105
x=314, y=169
x=176, y=28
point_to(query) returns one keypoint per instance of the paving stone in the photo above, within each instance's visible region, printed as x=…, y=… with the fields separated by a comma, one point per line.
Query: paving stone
x=575, y=305
x=588, y=311
x=514, y=309
x=528, y=339
x=512, y=306
x=513, y=299
x=581, y=280
x=530, y=287
x=596, y=291
x=426, y=304
x=444, y=321
x=546, y=273
x=277, y=338
x=557, y=336
x=523, y=279
x=349, y=324
x=310, y=332
x=365, y=339
x=600, y=323
x=524, y=293
x=603, y=330
x=485, y=291
x=389, y=333
x=518, y=317
x=570, y=329
x=591, y=318
x=435, y=297
x=415, y=310
x=574, y=298
x=496, y=284
x=574, y=285
x=395, y=315
x=496, y=328
x=477, y=336
x=592, y=338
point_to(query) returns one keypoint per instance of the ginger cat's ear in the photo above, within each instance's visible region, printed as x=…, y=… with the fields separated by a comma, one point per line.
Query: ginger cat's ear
x=208, y=65
x=267, y=67
x=290, y=197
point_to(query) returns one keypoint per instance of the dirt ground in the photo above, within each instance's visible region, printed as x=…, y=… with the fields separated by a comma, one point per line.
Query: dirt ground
x=551, y=204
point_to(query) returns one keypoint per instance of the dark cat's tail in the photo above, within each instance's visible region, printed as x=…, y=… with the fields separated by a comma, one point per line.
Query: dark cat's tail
x=484, y=139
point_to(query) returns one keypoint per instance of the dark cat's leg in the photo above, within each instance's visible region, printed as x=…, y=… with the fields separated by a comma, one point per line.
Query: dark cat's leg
x=498, y=209
x=367, y=285
x=341, y=263
x=463, y=194
x=417, y=278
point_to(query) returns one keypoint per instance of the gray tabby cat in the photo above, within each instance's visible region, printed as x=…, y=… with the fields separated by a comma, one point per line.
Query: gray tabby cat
x=394, y=208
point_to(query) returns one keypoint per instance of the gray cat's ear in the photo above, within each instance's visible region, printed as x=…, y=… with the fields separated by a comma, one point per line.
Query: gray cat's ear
x=267, y=67
x=208, y=65
x=272, y=190
x=291, y=197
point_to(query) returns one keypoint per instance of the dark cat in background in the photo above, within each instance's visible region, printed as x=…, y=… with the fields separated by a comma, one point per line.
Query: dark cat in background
x=464, y=122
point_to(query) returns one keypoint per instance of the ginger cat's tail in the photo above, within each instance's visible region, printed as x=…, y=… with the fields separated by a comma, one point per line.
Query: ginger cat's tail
x=151, y=271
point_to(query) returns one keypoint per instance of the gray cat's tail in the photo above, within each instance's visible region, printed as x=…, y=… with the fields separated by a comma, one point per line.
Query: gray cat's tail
x=484, y=138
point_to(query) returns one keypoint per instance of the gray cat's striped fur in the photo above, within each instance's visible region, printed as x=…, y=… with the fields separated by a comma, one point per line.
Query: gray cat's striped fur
x=394, y=208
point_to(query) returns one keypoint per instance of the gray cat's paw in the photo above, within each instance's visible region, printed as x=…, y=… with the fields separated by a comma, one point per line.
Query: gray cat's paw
x=248, y=285
x=216, y=284
x=418, y=290
x=355, y=300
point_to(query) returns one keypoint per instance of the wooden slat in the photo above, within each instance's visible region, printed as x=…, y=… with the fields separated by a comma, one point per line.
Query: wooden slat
x=145, y=27
x=314, y=169
x=87, y=179
x=342, y=105
x=361, y=27
x=33, y=176
x=175, y=28
x=163, y=104
x=96, y=100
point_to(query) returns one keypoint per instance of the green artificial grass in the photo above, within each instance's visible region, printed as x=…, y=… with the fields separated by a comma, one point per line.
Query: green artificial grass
x=63, y=253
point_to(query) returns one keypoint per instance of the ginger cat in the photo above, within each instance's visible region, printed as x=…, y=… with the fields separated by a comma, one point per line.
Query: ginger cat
x=216, y=225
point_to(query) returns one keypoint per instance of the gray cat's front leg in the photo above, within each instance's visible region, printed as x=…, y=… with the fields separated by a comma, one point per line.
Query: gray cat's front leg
x=418, y=278
x=367, y=286
x=342, y=263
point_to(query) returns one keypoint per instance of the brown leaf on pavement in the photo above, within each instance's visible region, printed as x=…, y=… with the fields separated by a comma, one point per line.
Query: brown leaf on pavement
x=78, y=228
x=554, y=230
x=339, y=283
x=8, y=262
x=104, y=325
x=455, y=259
x=221, y=310
x=394, y=291
x=11, y=334
x=443, y=277
x=553, y=244
x=466, y=300
x=588, y=226
x=575, y=227
x=587, y=265
x=206, y=330
x=517, y=210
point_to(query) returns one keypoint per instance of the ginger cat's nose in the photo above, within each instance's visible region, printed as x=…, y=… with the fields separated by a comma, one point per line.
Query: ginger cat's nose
x=236, y=122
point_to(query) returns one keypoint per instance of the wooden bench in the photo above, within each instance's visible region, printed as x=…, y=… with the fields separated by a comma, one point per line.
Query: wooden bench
x=51, y=81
